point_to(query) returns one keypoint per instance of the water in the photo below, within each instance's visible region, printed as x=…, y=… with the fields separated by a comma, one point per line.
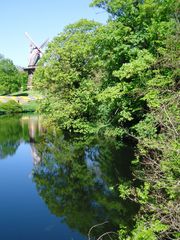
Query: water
x=54, y=187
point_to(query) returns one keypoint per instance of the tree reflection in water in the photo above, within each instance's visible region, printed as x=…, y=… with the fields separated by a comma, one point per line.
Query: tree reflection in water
x=78, y=180
x=10, y=135
x=18, y=128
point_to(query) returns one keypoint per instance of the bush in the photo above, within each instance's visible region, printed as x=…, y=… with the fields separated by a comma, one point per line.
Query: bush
x=10, y=107
x=31, y=106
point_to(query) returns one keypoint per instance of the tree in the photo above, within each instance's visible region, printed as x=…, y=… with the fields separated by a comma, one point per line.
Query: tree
x=66, y=72
x=11, y=80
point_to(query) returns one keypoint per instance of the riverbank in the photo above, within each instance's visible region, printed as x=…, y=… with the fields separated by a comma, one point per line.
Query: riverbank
x=20, y=102
x=21, y=97
x=13, y=107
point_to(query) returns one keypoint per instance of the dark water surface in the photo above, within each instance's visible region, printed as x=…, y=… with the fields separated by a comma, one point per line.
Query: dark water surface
x=56, y=188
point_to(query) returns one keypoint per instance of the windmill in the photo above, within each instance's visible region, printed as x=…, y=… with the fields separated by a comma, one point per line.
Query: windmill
x=36, y=51
x=35, y=55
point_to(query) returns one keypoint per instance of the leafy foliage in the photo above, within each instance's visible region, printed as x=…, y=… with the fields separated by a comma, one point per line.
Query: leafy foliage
x=67, y=77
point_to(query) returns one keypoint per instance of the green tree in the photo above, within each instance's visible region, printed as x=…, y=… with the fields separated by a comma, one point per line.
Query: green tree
x=11, y=79
x=65, y=76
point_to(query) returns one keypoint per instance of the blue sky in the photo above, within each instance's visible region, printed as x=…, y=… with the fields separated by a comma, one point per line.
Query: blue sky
x=41, y=19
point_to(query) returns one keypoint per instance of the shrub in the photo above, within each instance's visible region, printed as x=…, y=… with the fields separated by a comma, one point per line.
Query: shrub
x=10, y=107
x=31, y=106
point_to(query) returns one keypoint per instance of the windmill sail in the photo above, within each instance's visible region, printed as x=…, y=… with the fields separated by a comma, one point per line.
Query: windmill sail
x=44, y=43
x=36, y=51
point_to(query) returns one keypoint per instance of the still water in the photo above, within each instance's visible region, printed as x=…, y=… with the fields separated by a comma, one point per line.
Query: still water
x=54, y=187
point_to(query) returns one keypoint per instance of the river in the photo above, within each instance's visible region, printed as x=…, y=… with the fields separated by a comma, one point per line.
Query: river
x=57, y=187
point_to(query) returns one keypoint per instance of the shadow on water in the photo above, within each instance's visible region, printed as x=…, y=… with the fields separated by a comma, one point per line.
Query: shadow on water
x=77, y=179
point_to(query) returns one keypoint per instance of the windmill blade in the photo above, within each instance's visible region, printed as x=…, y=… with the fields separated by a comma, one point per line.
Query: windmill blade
x=34, y=44
x=44, y=43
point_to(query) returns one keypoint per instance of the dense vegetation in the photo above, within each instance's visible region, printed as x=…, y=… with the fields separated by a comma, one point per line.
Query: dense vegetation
x=121, y=80
x=11, y=79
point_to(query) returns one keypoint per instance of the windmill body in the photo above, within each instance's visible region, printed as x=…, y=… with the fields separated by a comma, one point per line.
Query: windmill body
x=34, y=57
